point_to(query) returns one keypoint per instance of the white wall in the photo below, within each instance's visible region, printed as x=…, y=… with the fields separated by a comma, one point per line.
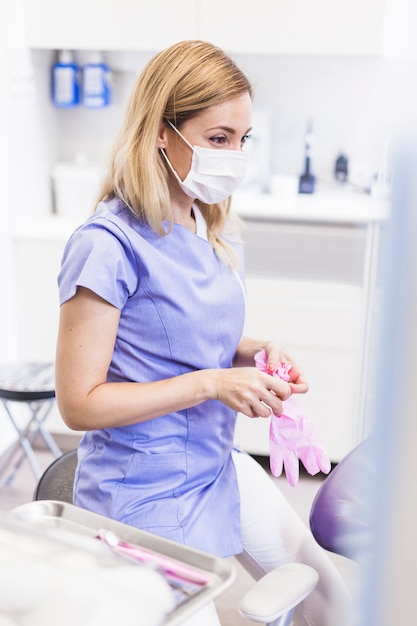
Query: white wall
x=10, y=37
x=356, y=104
x=8, y=31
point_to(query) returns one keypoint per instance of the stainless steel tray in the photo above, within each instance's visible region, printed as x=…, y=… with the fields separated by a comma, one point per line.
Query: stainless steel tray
x=220, y=573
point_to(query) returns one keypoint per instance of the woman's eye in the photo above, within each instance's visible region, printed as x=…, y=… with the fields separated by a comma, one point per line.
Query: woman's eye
x=220, y=140
x=245, y=138
x=223, y=140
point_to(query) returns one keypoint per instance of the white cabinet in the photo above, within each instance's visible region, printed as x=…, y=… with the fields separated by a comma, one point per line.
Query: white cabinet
x=321, y=27
x=108, y=24
x=300, y=27
x=320, y=324
x=281, y=27
x=306, y=285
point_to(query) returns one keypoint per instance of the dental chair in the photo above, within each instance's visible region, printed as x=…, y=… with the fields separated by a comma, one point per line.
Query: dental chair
x=272, y=600
x=336, y=521
x=340, y=513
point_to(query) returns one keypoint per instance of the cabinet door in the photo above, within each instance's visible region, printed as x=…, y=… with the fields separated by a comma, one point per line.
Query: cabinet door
x=108, y=24
x=294, y=26
x=320, y=324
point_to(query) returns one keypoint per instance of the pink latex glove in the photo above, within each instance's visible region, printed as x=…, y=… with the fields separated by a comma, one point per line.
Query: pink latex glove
x=292, y=435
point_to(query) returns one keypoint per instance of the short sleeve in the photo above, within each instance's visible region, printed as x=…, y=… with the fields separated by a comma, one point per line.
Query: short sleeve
x=99, y=257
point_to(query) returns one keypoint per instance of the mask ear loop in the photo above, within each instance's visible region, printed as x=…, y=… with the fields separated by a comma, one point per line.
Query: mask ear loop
x=164, y=154
x=182, y=136
x=170, y=165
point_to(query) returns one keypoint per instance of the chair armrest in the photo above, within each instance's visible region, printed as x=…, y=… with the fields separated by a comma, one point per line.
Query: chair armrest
x=278, y=592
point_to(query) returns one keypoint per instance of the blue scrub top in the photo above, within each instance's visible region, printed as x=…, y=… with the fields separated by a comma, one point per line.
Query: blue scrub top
x=182, y=309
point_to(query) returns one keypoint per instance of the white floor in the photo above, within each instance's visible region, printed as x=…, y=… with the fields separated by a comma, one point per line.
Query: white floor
x=301, y=497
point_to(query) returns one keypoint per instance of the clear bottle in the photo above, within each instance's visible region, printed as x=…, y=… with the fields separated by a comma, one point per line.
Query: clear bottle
x=65, y=81
x=96, y=90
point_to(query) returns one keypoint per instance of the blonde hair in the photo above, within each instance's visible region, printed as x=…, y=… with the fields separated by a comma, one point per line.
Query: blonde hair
x=176, y=85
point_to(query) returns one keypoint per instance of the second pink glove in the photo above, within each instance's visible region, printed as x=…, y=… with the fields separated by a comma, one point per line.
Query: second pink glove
x=292, y=435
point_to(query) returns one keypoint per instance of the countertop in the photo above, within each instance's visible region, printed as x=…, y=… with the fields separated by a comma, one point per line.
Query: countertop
x=329, y=205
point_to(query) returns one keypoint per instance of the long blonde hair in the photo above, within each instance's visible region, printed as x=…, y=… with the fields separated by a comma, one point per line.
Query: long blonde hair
x=176, y=85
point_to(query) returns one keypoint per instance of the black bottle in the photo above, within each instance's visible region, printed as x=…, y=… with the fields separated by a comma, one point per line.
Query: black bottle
x=307, y=181
x=341, y=169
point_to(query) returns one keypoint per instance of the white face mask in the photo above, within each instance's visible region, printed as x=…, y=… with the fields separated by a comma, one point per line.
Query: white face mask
x=214, y=174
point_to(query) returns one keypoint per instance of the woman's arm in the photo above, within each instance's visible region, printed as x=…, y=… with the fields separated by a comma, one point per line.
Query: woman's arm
x=276, y=354
x=86, y=338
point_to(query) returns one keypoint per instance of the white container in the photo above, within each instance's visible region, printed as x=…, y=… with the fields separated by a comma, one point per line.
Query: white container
x=75, y=187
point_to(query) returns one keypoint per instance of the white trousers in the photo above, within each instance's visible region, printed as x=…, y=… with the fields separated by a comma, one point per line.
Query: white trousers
x=272, y=534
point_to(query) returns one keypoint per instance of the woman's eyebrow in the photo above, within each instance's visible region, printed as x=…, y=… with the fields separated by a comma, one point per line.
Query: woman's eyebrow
x=228, y=129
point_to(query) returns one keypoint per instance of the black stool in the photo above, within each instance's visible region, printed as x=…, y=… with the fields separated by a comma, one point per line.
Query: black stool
x=34, y=385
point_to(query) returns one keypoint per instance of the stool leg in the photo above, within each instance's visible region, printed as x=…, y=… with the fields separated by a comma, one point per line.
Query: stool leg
x=46, y=436
x=39, y=411
x=25, y=438
x=25, y=452
x=6, y=462
x=26, y=449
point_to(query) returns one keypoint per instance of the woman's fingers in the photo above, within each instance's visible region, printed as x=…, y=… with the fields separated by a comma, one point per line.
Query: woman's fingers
x=276, y=355
x=252, y=392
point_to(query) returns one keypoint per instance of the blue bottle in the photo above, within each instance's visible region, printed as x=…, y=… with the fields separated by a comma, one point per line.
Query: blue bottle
x=65, y=81
x=96, y=84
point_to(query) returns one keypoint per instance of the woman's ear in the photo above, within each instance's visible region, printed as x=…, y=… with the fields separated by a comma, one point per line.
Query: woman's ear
x=162, y=136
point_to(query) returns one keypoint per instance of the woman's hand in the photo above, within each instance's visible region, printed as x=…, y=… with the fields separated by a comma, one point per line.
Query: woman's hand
x=276, y=354
x=249, y=391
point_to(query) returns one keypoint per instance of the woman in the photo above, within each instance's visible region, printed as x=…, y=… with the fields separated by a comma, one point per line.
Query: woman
x=151, y=361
